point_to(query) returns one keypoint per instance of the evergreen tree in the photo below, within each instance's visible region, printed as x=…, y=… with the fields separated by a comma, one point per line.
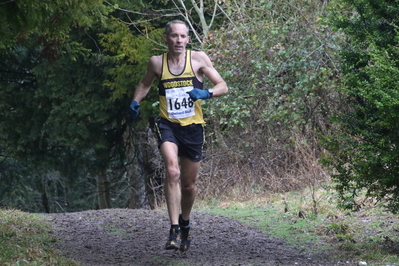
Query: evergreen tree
x=365, y=150
x=66, y=71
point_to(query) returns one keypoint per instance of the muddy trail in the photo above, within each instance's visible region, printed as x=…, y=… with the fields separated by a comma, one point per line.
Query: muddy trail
x=137, y=237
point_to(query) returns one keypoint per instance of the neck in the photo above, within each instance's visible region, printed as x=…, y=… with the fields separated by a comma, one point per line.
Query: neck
x=176, y=58
x=176, y=63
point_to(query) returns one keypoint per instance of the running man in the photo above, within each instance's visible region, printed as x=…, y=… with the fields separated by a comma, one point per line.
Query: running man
x=180, y=130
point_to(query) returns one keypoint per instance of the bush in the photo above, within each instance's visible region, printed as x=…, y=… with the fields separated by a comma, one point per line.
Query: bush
x=364, y=152
x=277, y=59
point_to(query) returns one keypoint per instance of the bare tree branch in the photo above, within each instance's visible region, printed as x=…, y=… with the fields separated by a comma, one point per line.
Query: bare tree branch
x=180, y=11
x=8, y=2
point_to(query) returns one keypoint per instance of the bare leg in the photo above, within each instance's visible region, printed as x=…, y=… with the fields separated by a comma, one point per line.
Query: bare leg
x=171, y=185
x=189, y=172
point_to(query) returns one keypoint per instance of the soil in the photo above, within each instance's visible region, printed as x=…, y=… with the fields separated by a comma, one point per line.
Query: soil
x=137, y=237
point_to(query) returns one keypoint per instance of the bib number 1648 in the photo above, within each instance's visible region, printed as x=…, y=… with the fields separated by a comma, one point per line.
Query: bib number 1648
x=176, y=104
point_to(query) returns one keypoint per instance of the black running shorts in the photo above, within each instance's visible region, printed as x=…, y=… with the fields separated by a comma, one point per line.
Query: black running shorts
x=189, y=139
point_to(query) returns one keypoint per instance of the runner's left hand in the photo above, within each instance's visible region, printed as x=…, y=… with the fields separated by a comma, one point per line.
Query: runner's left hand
x=196, y=94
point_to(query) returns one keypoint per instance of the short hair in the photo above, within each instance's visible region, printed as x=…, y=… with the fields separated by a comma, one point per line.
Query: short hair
x=168, y=27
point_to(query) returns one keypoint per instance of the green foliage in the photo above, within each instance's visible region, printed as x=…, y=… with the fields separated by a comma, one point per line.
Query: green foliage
x=364, y=152
x=49, y=23
x=130, y=54
x=64, y=101
x=279, y=69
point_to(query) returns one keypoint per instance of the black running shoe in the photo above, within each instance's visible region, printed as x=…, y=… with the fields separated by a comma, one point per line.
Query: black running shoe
x=173, y=239
x=185, y=238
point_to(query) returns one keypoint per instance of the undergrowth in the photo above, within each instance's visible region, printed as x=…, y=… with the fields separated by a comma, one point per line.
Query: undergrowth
x=310, y=221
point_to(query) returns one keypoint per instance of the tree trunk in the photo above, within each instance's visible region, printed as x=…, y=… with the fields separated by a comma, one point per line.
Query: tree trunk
x=103, y=189
x=145, y=168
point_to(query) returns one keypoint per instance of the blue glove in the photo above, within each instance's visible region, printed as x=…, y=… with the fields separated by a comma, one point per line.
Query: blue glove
x=196, y=94
x=134, y=110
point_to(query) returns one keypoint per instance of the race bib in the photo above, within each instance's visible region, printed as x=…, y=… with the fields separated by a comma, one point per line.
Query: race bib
x=179, y=102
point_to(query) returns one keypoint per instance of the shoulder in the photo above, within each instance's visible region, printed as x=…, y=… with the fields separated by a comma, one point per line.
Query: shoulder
x=155, y=64
x=200, y=58
x=198, y=55
x=155, y=60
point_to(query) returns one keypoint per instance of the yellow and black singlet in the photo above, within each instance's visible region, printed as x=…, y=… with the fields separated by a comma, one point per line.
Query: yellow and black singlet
x=174, y=103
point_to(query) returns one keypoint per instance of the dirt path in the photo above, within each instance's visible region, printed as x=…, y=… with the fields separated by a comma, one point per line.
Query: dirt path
x=137, y=237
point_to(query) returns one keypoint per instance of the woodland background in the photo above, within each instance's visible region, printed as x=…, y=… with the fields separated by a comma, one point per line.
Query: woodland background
x=313, y=100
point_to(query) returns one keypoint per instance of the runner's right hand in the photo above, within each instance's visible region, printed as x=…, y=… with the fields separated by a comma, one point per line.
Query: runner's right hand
x=134, y=110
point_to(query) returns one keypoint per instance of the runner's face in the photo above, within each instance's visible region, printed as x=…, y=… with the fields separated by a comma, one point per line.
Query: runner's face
x=177, y=38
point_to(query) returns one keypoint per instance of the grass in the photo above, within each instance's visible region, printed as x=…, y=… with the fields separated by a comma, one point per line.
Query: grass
x=25, y=239
x=309, y=220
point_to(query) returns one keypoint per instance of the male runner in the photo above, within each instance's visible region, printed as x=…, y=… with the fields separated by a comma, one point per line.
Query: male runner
x=180, y=73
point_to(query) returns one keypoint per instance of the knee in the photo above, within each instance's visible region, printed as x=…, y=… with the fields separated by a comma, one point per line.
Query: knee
x=188, y=188
x=172, y=174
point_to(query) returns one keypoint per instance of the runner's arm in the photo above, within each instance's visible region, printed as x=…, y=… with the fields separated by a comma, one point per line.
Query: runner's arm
x=145, y=83
x=220, y=87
